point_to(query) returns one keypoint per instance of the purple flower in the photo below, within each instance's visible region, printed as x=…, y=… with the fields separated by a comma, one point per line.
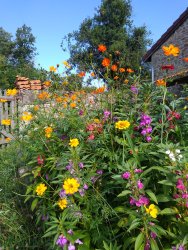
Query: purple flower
x=69, y=166
x=181, y=247
x=99, y=171
x=78, y=242
x=148, y=138
x=126, y=175
x=85, y=186
x=145, y=120
x=134, y=89
x=106, y=114
x=153, y=235
x=45, y=217
x=81, y=165
x=47, y=177
x=61, y=241
x=71, y=247
x=82, y=192
x=81, y=112
x=148, y=130
x=140, y=185
x=62, y=193
x=64, y=137
x=147, y=246
x=137, y=170
x=144, y=132
x=70, y=232
x=132, y=201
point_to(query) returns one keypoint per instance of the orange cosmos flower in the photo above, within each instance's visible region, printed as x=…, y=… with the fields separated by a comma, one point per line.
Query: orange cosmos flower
x=92, y=74
x=47, y=84
x=73, y=97
x=52, y=69
x=185, y=59
x=114, y=67
x=73, y=105
x=161, y=82
x=101, y=48
x=43, y=96
x=81, y=74
x=170, y=50
x=106, y=62
x=59, y=99
x=36, y=107
x=116, y=77
x=129, y=70
x=121, y=70
x=99, y=90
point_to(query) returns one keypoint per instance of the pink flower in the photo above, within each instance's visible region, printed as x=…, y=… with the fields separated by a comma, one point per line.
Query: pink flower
x=126, y=175
x=91, y=137
x=140, y=185
x=137, y=170
x=180, y=184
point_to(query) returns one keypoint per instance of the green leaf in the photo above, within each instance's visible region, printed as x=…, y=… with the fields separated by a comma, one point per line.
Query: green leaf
x=139, y=241
x=163, y=198
x=49, y=234
x=166, y=182
x=152, y=196
x=168, y=211
x=154, y=245
x=124, y=193
x=34, y=204
x=134, y=225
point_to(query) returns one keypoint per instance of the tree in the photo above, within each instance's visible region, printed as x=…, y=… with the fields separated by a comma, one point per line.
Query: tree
x=111, y=26
x=24, y=50
x=6, y=44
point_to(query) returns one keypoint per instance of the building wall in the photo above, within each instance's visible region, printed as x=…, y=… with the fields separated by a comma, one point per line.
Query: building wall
x=178, y=38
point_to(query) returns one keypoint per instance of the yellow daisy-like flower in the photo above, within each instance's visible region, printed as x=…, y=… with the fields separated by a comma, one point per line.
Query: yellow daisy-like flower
x=122, y=125
x=71, y=186
x=6, y=122
x=74, y=142
x=66, y=64
x=40, y=189
x=26, y=117
x=48, y=132
x=62, y=203
x=11, y=92
x=170, y=50
x=152, y=211
x=3, y=100
x=52, y=69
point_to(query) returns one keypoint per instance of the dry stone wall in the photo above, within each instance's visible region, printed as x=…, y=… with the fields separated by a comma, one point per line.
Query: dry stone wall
x=178, y=38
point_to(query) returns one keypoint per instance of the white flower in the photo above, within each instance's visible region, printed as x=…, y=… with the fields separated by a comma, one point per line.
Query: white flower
x=171, y=155
x=177, y=151
x=180, y=157
x=173, y=159
x=167, y=152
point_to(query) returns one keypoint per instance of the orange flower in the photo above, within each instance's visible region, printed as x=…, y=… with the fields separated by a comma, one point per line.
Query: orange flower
x=99, y=90
x=116, y=77
x=101, y=48
x=59, y=99
x=129, y=70
x=73, y=97
x=92, y=74
x=161, y=82
x=81, y=74
x=73, y=105
x=185, y=59
x=126, y=81
x=170, y=50
x=106, y=62
x=47, y=84
x=114, y=67
x=43, y=96
x=36, y=107
x=52, y=69
x=121, y=70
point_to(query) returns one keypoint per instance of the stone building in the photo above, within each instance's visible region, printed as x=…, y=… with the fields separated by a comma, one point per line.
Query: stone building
x=176, y=34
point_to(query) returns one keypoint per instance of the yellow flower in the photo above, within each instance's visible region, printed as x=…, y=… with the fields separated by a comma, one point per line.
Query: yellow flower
x=43, y=95
x=6, y=122
x=126, y=81
x=47, y=84
x=26, y=117
x=62, y=203
x=11, y=92
x=48, y=132
x=122, y=124
x=3, y=100
x=40, y=189
x=65, y=83
x=152, y=211
x=36, y=107
x=66, y=64
x=52, y=69
x=71, y=186
x=74, y=142
x=170, y=50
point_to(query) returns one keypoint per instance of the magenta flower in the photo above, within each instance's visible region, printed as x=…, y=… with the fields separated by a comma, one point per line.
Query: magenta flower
x=85, y=186
x=140, y=185
x=148, y=138
x=180, y=184
x=71, y=247
x=70, y=232
x=61, y=241
x=137, y=170
x=126, y=175
x=81, y=165
x=106, y=114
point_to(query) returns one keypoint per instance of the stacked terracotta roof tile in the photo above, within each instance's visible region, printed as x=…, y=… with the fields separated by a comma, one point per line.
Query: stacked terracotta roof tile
x=24, y=83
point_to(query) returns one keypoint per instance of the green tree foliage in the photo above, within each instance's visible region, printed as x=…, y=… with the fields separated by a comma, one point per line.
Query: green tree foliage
x=111, y=26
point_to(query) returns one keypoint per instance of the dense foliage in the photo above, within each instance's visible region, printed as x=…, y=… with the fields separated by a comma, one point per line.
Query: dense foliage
x=108, y=169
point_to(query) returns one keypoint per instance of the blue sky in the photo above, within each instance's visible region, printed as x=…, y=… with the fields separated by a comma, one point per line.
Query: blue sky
x=52, y=20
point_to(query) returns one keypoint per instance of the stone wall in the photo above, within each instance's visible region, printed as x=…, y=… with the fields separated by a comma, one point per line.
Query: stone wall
x=178, y=38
